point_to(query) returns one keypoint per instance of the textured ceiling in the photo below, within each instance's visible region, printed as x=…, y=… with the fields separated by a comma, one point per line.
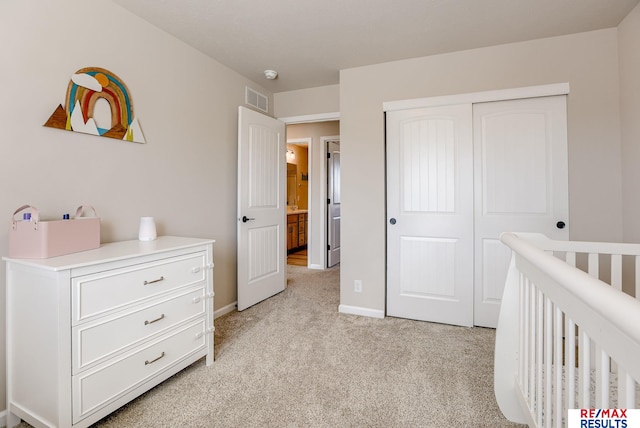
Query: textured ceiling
x=309, y=41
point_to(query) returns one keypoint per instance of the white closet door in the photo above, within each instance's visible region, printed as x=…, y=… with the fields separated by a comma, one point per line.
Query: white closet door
x=521, y=185
x=430, y=214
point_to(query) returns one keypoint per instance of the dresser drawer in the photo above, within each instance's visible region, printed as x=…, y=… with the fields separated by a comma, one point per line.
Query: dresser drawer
x=96, y=340
x=100, y=293
x=96, y=388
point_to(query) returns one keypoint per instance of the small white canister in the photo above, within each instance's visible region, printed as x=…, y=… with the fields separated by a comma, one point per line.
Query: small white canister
x=147, y=230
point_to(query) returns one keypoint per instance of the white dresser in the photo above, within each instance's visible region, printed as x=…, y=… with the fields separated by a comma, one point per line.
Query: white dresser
x=90, y=331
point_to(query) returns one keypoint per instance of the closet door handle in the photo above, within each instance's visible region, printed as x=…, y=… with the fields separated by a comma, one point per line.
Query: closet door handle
x=560, y=224
x=246, y=219
x=392, y=221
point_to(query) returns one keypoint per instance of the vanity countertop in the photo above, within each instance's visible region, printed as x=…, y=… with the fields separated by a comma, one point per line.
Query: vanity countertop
x=296, y=211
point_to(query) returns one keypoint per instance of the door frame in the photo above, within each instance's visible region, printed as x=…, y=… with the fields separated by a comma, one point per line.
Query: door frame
x=480, y=97
x=316, y=212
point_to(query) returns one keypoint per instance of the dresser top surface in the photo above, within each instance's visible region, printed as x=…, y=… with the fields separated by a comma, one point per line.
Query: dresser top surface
x=113, y=251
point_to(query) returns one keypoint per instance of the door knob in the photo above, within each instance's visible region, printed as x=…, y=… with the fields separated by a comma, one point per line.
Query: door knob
x=392, y=221
x=560, y=225
x=246, y=219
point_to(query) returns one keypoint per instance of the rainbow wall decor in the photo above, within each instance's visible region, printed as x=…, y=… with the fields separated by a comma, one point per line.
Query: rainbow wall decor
x=98, y=103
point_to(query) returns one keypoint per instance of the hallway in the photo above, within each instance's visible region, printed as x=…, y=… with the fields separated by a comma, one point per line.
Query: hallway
x=299, y=258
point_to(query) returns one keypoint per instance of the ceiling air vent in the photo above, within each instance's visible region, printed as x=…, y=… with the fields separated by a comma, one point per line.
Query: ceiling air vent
x=257, y=100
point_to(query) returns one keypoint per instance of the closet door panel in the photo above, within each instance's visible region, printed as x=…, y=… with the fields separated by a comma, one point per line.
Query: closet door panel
x=430, y=215
x=520, y=185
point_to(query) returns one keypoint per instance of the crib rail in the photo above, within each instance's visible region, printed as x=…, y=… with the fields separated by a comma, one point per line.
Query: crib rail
x=567, y=338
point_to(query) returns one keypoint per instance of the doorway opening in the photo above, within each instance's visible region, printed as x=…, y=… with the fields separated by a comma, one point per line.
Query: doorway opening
x=307, y=207
x=297, y=200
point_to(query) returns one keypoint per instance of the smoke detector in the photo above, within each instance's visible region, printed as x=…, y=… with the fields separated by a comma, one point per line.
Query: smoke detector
x=270, y=74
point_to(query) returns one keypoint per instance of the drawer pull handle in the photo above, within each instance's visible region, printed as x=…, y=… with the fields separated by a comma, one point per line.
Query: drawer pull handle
x=147, y=322
x=147, y=362
x=154, y=281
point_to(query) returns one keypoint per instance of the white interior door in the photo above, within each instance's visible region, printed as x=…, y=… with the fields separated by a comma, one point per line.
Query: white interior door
x=521, y=185
x=430, y=214
x=333, y=203
x=261, y=207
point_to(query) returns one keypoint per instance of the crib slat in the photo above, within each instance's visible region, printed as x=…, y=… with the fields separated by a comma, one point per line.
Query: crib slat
x=532, y=347
x=584, y=377
x=594, y=265
x=626, y=390
x=570, y=363
x=602, y=378
x=616, y=271
x=539, y=354
x=526, y=387
x=548, y=362
x=557, y=381
x=524, y=334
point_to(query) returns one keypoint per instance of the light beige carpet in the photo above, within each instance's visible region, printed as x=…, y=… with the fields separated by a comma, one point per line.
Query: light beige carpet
x=294, y=361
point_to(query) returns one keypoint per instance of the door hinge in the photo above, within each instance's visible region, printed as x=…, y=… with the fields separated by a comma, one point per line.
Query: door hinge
x=328, y=247
x=328, y=155
x=328, y=201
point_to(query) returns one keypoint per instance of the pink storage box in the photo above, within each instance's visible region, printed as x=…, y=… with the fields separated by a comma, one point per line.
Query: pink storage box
x=36, y=239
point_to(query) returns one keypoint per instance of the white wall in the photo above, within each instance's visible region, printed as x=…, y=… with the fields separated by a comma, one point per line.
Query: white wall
x=185, y=176
x=323, y=99
x=629, y=52
x=588, y=61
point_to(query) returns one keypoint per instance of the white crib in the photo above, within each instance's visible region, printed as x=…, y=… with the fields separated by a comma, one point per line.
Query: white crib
x=568, y=335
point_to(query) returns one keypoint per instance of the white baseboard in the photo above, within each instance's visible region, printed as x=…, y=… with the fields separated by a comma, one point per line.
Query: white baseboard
x=225, y=310
x=3, y=418
x=316, y=266
x=356, y=310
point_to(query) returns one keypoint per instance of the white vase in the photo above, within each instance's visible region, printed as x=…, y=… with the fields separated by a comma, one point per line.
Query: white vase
x=147, y=230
